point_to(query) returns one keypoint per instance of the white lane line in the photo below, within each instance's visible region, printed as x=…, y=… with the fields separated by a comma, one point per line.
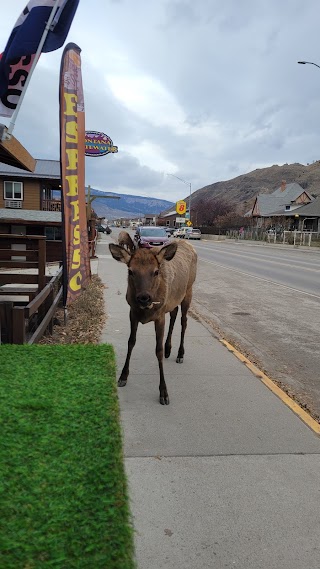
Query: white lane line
x=266, y=260
x=261, y=279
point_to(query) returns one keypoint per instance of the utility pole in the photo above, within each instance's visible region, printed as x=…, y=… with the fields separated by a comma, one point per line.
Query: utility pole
x=91, y=198
x=188, y=184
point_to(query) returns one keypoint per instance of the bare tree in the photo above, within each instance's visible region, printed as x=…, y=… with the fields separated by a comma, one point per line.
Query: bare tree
x=206, y=211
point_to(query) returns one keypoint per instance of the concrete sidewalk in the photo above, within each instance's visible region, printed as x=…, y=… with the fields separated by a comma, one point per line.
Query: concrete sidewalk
x=226, y=475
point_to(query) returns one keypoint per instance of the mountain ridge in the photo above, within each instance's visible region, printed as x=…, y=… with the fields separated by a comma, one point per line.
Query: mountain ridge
x=242, y=190
x=127, y=205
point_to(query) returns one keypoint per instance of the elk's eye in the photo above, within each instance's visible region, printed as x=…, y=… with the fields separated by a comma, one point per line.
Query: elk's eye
x=130, y=273
x=155, y=274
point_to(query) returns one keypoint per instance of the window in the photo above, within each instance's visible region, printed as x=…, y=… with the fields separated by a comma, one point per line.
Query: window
x=53, y=233
x=13, y=191
x=288, y=207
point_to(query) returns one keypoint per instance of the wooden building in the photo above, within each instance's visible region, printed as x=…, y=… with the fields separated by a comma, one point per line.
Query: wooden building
x=30, y=203
x=290, y=206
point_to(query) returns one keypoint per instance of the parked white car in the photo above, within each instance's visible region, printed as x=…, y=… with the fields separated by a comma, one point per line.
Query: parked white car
x=182, y=232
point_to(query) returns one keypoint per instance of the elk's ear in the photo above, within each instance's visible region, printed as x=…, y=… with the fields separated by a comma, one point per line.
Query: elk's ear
x=167, y=252
x=119, y=253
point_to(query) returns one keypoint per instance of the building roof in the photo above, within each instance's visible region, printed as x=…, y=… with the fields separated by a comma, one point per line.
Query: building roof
x=290, y=193
x=168, y=214
x=49, y=169
x=274, y=204
x=312, y=208
x=267, y=204
x=30, y=215
x=13, y=153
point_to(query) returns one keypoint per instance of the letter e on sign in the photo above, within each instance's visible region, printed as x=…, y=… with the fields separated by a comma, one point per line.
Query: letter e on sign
x=181, y=207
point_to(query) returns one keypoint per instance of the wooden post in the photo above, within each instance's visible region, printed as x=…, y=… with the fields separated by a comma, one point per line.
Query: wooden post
x=18, y=325
x=49, y=303
x=42, y=263
x=6, y=322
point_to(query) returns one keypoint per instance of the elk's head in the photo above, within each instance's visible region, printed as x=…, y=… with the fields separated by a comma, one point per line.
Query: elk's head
x=145, y=279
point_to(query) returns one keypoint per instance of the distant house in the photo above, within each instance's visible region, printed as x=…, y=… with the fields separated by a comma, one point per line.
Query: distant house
x=288, y=202
x=30, y=203
x=309, y=216
x=150, y=219
x=168, y=218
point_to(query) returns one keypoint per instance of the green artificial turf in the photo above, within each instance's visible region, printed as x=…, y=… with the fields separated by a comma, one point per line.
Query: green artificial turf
x=63, y=494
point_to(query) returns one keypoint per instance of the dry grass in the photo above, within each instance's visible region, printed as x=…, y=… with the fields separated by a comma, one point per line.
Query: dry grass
x=85, y=318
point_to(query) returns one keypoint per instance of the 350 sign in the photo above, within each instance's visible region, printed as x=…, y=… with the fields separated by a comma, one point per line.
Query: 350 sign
x=181, y=207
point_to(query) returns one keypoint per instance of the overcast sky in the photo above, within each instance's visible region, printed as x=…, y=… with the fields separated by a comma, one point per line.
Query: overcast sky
x=204, y=90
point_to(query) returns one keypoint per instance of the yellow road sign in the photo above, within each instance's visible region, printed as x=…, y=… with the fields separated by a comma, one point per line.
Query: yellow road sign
x=189, y=223
x=181, y=207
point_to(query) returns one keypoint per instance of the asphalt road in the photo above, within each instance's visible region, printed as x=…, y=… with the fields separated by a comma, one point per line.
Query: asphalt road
x=265, y=299
x=294, y=268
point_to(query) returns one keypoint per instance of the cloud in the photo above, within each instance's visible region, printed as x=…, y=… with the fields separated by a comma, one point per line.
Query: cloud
x=203, y=90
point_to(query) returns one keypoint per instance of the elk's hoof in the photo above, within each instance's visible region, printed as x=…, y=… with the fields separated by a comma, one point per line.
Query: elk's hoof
x=167, y=352
x=164, y=399
x=122, y=382
x=179, y=360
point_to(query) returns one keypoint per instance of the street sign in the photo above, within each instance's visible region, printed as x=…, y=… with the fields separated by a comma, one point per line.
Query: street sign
x=187, y=216
x=189, y=223
x=181, y=207
x=98, y=144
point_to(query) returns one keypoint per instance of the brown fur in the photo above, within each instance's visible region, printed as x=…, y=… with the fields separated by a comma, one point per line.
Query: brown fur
x=159, y=279
x=125, y=241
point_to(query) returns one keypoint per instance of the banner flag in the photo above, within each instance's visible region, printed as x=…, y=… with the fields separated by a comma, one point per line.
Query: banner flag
x=18, y=74
x=72, y=134
x=23, y=43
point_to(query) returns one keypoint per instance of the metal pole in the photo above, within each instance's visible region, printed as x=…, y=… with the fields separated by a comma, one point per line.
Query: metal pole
x=188, y=184
x=7, y=133
x=89, y=203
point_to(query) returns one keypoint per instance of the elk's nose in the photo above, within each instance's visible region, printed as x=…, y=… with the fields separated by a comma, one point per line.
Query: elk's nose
x=144, y=299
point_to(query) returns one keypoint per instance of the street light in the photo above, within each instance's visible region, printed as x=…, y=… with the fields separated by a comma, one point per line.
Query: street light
x=188, y=184
x=308, y=62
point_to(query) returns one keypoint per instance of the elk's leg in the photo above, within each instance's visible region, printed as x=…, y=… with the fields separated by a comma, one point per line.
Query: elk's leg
x=131, y=343
x=185, y=304
x=159, y=328
x=167, y=347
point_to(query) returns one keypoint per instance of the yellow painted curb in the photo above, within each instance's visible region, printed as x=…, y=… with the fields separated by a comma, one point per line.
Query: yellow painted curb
x=287, y=400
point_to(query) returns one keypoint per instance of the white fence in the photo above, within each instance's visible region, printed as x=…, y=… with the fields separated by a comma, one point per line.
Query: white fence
x=295, y=238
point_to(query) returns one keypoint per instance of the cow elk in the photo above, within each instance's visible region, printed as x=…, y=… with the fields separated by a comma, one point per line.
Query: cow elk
x=159, y=280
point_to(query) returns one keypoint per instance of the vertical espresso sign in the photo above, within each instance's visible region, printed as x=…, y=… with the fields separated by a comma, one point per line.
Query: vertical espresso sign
x=72, y=145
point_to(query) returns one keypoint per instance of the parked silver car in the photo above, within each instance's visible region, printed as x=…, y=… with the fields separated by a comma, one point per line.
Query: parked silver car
x=192, y=233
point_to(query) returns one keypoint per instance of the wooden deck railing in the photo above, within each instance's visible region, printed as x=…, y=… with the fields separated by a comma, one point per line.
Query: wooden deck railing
x=51, y=205
x=26, y=318
x=30, y=322
x=31, y=254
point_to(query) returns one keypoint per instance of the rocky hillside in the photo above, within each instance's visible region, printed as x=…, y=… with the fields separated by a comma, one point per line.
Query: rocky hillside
x=242, y=190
